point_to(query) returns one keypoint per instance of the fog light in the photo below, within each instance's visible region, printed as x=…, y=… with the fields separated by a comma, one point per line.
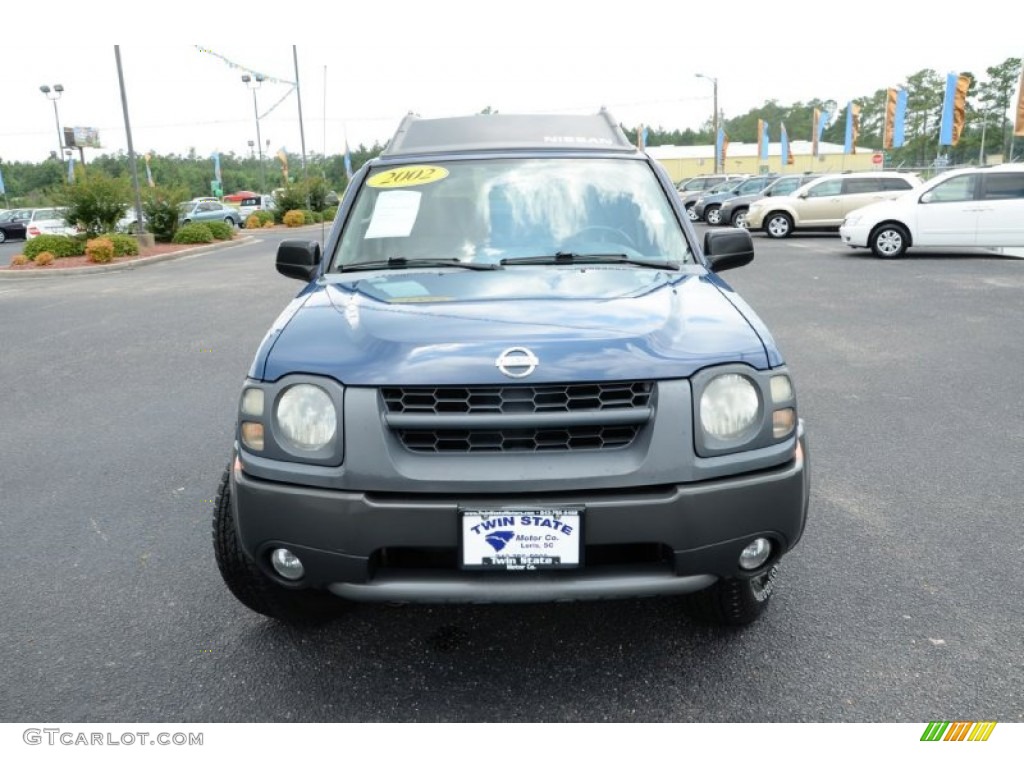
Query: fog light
x=288, y=566
x=753, y=556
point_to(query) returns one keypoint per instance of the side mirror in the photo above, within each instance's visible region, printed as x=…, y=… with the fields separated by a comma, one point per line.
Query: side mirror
x=298, y=258
x=728, y=249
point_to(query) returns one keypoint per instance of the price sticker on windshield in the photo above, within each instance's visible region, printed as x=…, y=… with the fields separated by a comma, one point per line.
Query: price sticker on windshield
x=407, y=176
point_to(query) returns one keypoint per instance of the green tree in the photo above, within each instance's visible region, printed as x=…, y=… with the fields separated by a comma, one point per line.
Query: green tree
x=96, y=201
x=160, y=206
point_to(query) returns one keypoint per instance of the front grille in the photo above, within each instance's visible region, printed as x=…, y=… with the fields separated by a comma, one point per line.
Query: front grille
x=563, y=398
x=531, y=419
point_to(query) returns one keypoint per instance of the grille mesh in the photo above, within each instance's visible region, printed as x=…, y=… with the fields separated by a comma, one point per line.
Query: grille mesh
x=564, y=398
x=546, y=401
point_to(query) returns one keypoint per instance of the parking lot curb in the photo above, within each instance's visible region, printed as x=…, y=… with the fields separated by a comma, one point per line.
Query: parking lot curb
x=10, y=274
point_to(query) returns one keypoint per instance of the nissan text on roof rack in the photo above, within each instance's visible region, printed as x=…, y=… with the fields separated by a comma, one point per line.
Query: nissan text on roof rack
x=513, y=375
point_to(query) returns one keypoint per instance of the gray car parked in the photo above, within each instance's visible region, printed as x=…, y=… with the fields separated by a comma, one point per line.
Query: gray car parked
x=208, y=210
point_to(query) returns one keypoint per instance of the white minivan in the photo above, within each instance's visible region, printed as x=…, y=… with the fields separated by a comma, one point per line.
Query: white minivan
x=965, y=208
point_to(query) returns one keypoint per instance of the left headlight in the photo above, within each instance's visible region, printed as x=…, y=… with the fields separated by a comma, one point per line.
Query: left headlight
x=729, y=406
x=738, y=408
x=306, y=417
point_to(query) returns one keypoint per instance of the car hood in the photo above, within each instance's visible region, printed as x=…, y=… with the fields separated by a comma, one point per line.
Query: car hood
x=445, y=327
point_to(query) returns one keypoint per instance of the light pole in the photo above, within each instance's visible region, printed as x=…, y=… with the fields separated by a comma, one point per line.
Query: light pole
x=714, y=121
x=57, y=92
x=252, y=83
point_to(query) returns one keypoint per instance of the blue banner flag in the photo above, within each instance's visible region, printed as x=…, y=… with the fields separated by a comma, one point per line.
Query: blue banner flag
x=946, y=131
x=3, y=189
x=786, y=157
x=71, y=169
x=762, y=141
x=719, y=145
x=216, y=167
x=899, y=123
x=348, y=162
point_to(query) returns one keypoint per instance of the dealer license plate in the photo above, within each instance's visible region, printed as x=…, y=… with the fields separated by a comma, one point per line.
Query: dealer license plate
x=521, y=538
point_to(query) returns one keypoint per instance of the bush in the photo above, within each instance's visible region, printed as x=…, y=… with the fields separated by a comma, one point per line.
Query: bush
x=61, y=246
x=124, y=245
x=294, y=219
x=221, y=230
x=99, y=250
x=254, y=221
x=192, y=233
x=44, y=259
x=292, y=198
x=330, y=213
x=19, y=259
x=95, y=201
x=312, y=217
x=161, y=209
x=269, y=224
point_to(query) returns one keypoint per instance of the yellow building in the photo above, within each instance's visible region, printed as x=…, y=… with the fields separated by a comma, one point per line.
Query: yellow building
x=685, y=162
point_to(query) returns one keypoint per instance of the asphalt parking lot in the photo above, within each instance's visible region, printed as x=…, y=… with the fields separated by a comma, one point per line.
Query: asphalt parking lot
x=903, y=602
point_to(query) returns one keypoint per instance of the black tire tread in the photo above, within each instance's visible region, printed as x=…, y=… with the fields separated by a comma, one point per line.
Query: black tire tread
x=247, y=583
x=727, y=602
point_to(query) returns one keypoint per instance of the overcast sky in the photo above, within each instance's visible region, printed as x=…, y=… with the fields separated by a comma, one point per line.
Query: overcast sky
x=362, y=66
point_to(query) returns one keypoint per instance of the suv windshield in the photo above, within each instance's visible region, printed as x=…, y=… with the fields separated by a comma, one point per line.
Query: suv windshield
x=484, y=211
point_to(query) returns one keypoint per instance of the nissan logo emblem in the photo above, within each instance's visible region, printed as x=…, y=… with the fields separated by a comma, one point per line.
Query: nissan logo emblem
x=517, y=362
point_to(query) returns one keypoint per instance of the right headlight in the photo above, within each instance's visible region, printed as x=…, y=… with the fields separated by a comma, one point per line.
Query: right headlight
x=297, y=418
x=738, y=408
x=306, y=417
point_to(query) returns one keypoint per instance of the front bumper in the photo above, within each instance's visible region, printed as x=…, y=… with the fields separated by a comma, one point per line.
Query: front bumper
x=755, y=217
x=637, y=541
x=855, y=236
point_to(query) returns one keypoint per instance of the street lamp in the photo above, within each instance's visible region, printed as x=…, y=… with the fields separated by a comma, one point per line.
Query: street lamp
x=714, y=121
x=252, y=83
x=57, y=92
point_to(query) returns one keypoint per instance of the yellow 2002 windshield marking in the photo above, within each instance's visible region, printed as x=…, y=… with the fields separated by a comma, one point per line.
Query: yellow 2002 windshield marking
x=407, y=176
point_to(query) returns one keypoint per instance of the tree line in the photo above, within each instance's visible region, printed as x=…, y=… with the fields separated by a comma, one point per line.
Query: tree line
x=38, y=184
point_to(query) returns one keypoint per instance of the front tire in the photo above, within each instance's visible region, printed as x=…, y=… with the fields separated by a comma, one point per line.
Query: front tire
x=713, y=215
x=691, y=212
x=890, y=241
x=739, y=219
x=778, y=225
x=733, y=602
x=3, y=236
x=254, y=589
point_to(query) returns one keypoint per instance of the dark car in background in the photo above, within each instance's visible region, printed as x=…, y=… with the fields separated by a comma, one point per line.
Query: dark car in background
x=733, y=211
x=705, y=181
x=690, y=198
x=707, y=206
x=14, y=223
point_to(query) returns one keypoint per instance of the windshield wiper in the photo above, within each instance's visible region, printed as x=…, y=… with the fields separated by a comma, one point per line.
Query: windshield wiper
x=566, y=257
x=400, y=262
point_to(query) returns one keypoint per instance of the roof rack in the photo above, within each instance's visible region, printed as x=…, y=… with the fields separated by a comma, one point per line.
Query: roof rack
x=424, y=136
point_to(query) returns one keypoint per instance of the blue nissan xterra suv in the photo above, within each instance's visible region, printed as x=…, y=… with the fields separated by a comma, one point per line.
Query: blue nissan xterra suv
x=513, y=375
